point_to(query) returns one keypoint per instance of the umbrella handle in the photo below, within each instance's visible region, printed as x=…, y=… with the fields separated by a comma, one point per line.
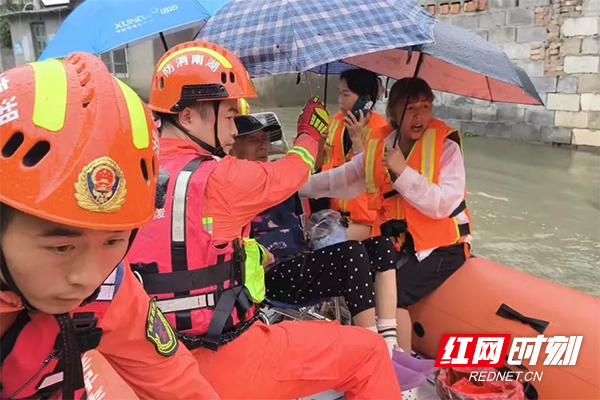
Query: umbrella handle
x=310, y=91
x=164, y=41
x=326, y=83
x=409, y=90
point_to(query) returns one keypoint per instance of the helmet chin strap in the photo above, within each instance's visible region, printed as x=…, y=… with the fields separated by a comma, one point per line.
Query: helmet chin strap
x=215, y=150
x=8, y=283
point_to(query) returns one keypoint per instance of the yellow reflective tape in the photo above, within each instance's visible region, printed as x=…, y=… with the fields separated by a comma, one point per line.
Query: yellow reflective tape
x=219, y=57
x=457, y=230
x=303, y=154
x=432, y=159
x=50, y=107
x=424, y=144
x=462, y=153
x=428, y=154
x=243, y=107
x=339, y=136
x=367, y=134
x=370, y=166
x=329, y=142
x=137, y=116
x=343, y=206
x=332, y=128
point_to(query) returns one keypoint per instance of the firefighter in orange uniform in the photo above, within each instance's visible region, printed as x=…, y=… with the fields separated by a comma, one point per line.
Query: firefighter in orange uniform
x=78, y=172
x=347, y=136
x=196, y=257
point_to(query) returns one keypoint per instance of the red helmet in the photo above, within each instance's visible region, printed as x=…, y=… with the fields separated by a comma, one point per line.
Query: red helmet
x=198, y=71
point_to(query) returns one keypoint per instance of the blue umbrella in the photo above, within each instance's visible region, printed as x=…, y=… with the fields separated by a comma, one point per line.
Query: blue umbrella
x=288, y=36
x=98, y=26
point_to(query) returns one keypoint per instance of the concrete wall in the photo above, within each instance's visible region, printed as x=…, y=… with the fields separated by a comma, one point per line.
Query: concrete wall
x=140, y=65
x=557, y=42
x=20, y=29
x=282, y=90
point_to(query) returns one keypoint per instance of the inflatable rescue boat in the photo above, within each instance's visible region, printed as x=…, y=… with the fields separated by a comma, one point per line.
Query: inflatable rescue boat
x=481, y=297
x=486, y=297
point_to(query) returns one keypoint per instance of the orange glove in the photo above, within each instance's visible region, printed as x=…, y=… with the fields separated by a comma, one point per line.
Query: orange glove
x=314, y=119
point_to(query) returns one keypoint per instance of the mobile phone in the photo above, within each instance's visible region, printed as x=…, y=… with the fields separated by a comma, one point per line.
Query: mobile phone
x=363, y=103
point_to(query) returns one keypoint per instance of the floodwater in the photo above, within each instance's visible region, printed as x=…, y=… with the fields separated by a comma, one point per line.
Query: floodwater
x=535, y=207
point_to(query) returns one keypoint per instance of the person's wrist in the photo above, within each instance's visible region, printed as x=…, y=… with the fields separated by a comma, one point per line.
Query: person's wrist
x=399, y=169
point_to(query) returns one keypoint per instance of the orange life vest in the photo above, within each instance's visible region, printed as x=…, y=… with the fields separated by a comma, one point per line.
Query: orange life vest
x=426, y=233
x=356, y=210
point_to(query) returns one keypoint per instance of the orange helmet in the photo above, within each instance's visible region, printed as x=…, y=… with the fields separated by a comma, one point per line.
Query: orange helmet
x=78, y=146
x=197, y=71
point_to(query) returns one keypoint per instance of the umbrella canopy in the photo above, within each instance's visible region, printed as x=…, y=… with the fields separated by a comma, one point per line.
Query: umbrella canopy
x=458, y=62
x=289, y=36
x=98, y=26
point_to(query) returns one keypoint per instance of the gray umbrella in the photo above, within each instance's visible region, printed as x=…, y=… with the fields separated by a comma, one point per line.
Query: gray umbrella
x=459, y=62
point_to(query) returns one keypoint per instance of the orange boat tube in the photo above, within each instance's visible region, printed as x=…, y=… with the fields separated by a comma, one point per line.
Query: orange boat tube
x=469, y=301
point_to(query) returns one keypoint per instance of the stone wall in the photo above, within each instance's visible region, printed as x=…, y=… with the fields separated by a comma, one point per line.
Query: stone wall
x=557, y=43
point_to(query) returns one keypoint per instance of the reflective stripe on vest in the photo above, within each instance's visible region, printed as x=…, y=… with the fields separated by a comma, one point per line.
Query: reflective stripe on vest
x=370, y=160
x=108, y=288
x=427, y=154
x=366, y=135
x=200, y=286
x=179, y=261
x=429, y=141
x=254, y=278
x=423, y=157
x=187, y=303
x=334, y=148
x=335, y=123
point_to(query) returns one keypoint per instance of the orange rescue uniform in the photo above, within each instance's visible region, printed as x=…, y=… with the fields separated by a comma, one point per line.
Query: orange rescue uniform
x=356, y=210
x=125, y=346
x=290, y=359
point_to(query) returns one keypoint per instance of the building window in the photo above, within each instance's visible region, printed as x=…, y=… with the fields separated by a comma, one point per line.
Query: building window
x=117, y=63
x=40, y=40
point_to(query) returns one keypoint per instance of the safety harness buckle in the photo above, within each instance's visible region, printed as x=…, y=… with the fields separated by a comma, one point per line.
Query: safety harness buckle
x=88, y=334
x=211, y=344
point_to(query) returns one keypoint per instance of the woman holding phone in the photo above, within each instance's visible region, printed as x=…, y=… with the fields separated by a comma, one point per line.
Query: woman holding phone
x=349, y=129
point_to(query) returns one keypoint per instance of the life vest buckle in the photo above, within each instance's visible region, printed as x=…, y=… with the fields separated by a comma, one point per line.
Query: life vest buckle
x=238, y=251
x=88, y=334
x=210, y=344
x=393, y=228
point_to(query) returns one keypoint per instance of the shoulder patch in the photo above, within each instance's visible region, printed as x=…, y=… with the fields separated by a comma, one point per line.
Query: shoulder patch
x=160, y=332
